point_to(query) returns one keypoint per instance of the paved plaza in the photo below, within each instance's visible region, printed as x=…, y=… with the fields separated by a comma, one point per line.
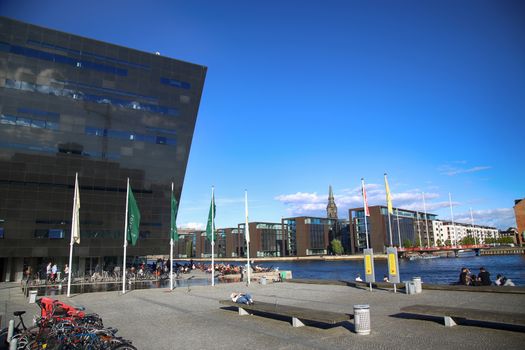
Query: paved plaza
x=192, y=318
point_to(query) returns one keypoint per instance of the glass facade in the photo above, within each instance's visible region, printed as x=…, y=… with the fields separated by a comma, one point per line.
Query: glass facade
x=271, y=239
x=291, y=237
x=409, y=228
x=70, y=104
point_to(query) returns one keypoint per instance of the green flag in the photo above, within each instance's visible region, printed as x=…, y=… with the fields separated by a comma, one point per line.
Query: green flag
x=133, y=219
x=210, y=219
x=174, y=208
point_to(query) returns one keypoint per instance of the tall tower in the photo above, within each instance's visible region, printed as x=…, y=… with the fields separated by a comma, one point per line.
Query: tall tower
x=331, y=208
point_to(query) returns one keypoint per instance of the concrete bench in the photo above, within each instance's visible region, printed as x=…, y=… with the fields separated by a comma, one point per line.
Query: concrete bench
x=298, y=314
x=452, y=314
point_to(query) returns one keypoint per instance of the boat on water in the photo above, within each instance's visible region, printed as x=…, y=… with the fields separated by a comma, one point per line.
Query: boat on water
x=423, y=256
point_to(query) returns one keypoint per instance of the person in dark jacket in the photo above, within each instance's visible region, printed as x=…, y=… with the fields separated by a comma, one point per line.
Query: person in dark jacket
x=464, y=278
x=484, y=277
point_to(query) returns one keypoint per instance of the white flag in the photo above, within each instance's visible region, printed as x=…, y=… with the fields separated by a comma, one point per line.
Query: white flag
x=75, y=224
x=246, y=227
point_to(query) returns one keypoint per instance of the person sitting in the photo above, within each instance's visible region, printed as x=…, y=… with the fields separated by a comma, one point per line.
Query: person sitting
x=385, y=278
x=503, y=281
x=358, y=278
x=241, y=298
x=484, y=277
x=464, y=278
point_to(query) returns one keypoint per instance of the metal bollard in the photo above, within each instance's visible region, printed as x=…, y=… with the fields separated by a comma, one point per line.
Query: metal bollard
x=410, y=287
x=362, y=319
x=10, y=330
x=417, y=284
x=32, y=296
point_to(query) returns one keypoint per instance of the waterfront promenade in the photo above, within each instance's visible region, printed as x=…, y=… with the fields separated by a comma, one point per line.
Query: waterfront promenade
x=193, y=318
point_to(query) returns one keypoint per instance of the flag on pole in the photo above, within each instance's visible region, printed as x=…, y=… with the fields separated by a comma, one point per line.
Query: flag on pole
x=75, y=225
x=388, y=197
x=209, y=225
x=133, y=219
x=365, y=201
x=247, y=228
x=174, y=208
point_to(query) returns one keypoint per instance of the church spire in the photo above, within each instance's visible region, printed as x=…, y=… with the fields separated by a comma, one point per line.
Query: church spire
x=331, y=208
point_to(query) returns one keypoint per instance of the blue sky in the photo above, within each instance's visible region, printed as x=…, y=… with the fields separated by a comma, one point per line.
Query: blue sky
x=301, y=95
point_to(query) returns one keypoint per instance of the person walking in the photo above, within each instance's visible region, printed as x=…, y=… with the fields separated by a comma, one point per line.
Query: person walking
x=54, y=270
x=48, y=271
x=66, y=272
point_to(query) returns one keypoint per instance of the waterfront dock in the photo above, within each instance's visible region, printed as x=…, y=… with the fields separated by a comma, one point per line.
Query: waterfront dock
x=191, y=317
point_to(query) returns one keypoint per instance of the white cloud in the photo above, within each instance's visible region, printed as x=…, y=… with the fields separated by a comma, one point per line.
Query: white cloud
x=502, y=218
x=298, y=197
x=193, y=226
x=304, y=203
x=452, y=170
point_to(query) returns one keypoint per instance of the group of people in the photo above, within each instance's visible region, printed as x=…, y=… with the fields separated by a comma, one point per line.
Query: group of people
x=467, y=278
x=52, y=272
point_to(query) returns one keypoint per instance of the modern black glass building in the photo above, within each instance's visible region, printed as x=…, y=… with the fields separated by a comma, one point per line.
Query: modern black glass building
x=70, y=104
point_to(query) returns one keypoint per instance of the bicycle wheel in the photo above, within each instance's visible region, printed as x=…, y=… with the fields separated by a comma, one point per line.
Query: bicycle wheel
x=4, y=345
x=23, y=339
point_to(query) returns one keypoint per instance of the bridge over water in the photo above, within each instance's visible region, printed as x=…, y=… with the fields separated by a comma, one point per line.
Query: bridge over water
x=479, y=249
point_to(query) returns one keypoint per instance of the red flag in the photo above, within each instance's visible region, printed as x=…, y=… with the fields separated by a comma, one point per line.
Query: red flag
x=365, y=201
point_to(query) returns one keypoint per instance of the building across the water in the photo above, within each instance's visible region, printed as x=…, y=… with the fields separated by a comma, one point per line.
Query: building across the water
x=519, y=212
x=448, y=233
x=405, y=227
x=71, y=105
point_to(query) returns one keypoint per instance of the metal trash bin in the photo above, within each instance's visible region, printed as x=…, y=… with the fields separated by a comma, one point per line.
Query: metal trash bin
x=417, y=284
x=362, y=319
x=32, y=296
x=263, y=280
x=410, y=287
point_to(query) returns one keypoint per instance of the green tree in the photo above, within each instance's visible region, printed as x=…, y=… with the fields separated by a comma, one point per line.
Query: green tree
x=337, y=247
x=439, y=243
x=490, y=240
x=506, y=240
x=407, y=243
x=417, y=243
x=468, y=240
x=448, y=243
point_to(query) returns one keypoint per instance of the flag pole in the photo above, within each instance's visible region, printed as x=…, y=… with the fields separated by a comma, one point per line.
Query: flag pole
x=125, y=242
x=247, y=236
x=452, y=215
x=212, y=238
x=365, y=210
x=388, y=211
x=398, y=228
x=171, y=242
x=74, y=227
x=472, y=224
x=418, y=230
x=426, y=221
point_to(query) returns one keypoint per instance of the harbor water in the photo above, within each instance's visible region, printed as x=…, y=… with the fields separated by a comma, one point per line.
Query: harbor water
x=435, y=271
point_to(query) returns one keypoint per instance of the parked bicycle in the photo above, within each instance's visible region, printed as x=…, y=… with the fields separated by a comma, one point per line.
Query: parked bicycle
x=62, y=326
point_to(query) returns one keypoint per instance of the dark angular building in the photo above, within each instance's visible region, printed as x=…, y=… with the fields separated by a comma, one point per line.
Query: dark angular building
x=306, y=235
x=70, y=104
x=406, y=224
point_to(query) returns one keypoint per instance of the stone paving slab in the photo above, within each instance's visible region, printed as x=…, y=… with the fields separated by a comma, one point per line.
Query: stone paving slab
x=192, y=318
